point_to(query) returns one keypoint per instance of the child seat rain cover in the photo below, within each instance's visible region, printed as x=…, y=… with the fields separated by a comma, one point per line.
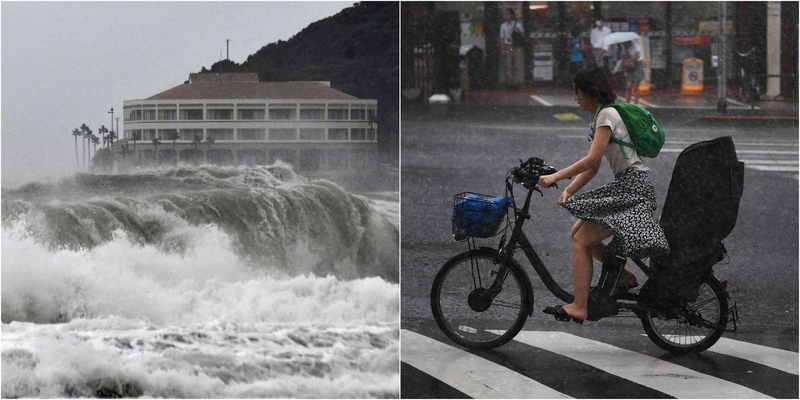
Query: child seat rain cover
x=700, y=210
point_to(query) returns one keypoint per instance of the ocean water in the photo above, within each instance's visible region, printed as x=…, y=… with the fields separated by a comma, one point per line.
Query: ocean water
x=199, y=282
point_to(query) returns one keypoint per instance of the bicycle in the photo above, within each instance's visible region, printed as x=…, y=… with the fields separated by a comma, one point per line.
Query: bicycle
x=481, y=298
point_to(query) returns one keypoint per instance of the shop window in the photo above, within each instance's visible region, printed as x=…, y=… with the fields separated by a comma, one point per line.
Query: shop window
x=166, y=134
x=148, y=134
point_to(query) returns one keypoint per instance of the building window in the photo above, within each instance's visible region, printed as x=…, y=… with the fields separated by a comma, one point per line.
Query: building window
x=148, y=134
x=337, y=113
x=220, y=114
x=371, y=135
x=251, y=114
x=358, y=134
x=166, y=134
x=134, y=134
x=312, y=134
x=312, y=113
x=190, y=134
x=221, y=134
x=282, y=113
x=133, y=115
x=282, y=134
x=311, y=160
x=167, y=115
x=337, y=134
x=371, y=114
x=192, y=114
x=149, y=115
x=252, y=134
x=358, y=114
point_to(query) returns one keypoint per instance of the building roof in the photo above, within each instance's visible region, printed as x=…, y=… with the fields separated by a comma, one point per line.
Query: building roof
x=243, y=86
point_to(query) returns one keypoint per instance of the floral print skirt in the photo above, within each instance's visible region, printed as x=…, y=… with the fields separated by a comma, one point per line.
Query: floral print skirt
x=625, y=207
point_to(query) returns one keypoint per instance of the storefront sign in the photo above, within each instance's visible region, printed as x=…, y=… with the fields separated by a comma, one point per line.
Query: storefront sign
x=691, y=40
x=543, y=61
x=692, y=83
x=711, y=26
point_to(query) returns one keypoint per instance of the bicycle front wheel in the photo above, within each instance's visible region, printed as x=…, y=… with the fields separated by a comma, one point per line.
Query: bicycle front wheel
x=457, y=307
x=696, y=326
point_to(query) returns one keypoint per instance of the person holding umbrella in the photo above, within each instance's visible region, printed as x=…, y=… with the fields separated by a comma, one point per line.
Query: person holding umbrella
x=634, y=69
x=631, y=60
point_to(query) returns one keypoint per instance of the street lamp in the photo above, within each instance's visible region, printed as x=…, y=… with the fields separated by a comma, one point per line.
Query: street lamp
x=112, y=124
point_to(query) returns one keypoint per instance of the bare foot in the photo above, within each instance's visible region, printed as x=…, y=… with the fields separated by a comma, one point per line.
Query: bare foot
x=575, y=312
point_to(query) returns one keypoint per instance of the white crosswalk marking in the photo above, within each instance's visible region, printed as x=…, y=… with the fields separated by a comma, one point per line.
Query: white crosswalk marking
x=773, y=156
x=786, y=361
x=470, y=374
x=660, y=375
x=541, y=100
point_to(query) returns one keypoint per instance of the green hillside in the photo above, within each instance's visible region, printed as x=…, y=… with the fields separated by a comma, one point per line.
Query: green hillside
x=356, y=50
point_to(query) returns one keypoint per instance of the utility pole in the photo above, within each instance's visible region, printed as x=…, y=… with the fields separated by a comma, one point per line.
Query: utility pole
x=118, y=128
x=722, y=74
x=112, y=124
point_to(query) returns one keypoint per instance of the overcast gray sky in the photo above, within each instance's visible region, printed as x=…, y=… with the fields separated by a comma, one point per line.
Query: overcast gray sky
x=65, y=64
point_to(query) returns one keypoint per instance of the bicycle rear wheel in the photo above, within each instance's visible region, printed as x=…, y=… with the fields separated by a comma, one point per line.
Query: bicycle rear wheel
x=457, y=309
x=694, y=326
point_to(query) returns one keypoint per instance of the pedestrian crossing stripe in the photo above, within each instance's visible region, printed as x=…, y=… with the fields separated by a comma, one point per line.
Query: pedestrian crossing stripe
x=739, y=151
x=784, y=360
x=470, y=374
x=478, y=377
x=664, y=376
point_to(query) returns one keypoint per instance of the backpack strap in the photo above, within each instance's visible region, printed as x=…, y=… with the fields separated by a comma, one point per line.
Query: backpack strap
x=613, y=139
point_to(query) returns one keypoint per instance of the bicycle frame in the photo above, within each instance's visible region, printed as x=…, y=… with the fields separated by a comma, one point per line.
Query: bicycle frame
x=602, y=301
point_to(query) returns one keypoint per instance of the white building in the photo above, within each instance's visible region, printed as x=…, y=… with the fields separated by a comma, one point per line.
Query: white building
x=307, y=124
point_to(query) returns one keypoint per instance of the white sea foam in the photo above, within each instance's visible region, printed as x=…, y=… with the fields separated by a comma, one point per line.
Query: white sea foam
x=187, y=311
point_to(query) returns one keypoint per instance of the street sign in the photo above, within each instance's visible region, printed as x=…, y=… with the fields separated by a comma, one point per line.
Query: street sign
x=692, y=82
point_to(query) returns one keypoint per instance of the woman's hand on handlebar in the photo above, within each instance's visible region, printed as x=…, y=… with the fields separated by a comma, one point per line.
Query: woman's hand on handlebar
x=547, y=181
x=564, y=196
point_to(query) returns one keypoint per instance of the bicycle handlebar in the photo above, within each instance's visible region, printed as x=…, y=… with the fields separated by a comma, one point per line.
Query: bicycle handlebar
x=529, y=171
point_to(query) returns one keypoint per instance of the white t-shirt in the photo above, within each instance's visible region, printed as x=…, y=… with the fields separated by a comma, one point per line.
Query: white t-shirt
x=614, y=153
x=507, y=28
x=635, y=48
x=598, y=34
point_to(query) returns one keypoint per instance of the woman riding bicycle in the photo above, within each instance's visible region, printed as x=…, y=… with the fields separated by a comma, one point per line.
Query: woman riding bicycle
x=622, y=208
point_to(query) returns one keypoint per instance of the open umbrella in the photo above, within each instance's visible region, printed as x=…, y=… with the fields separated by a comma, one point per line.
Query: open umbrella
x=617, y=37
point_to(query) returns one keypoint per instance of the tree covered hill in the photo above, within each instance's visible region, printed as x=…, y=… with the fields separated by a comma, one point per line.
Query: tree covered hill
x=356, y=50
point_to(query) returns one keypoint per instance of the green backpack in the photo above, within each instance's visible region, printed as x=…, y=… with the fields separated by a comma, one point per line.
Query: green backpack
x=646, y=132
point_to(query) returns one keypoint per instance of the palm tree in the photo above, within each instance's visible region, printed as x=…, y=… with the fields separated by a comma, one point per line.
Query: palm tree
x=85, y=132
x=111, y=137
x=102, y=131
x=75, y=133
x=197, y=140
x=209, y=142
x=124, y=151
x=174, y=136
x=95, y=142
x=156, y=142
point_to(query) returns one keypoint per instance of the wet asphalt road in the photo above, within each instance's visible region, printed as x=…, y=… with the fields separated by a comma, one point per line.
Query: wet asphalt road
x=442, y=156
x=445, y=156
